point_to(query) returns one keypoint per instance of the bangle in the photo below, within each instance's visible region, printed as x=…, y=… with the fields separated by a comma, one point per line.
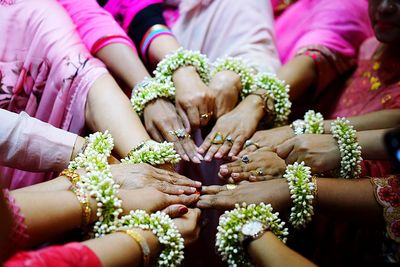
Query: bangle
x=180, y=58
x=164, y=228
x=279, y=91
x=148, y=90
x=152, y=33
x=302, y=191
x=83, y=199
x=298, y=127
x=71, y=175
x=153, y=153
x=236, y=65
x=141, y=241
x=350, y=150
x=230, y=236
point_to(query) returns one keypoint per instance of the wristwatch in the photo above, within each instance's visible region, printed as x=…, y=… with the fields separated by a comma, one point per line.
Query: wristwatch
x=252, y=230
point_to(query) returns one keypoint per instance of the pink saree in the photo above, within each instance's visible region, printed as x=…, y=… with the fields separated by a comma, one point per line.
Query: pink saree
x=45, y=70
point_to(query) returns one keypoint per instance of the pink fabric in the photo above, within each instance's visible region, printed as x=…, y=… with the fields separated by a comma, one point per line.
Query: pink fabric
x=45, y=70
x=338, y=25
x=94, y=23
x=32, y=145
x=70, y=255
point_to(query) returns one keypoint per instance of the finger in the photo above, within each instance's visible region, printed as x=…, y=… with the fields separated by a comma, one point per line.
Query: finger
x=213, y=189
x=186, y=200
x=190, y=149
x=176, y=210
x=204, y=110
x=194, y=116
x=211, y=152
x=247, y=150
x=238, y=177
x=184, y=118
x=175, y=189
x=216, y=202
x=237, y=146
x=284, y=149
x=223, y=150
x=155, y=134
x=207, y=142
x=175, y=178
x=292, y=157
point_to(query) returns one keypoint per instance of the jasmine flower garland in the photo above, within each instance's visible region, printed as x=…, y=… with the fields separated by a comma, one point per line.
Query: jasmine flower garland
x=239, y=67
x=279, y=91
x=164, y=228
x=98, y=181
x=229, y=237
x=302, y=191
x=313, y=123
x=153, y=153
x=148, y=90
x=350, y=150
x=180, y=58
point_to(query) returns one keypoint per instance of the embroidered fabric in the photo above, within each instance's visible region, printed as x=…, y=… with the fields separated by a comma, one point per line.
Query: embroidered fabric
x=18, y=236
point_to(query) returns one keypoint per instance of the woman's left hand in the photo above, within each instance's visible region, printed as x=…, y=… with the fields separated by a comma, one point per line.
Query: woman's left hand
x=264, y=164
x=233, y=129
x=275, y=192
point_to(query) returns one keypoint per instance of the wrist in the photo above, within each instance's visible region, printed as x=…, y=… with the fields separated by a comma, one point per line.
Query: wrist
x=257, y=105
x=79, y=144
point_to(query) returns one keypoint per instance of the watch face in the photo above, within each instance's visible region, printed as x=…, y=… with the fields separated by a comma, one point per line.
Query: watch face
x=252, y=228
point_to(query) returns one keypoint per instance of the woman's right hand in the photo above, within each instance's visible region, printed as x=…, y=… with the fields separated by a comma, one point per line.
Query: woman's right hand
x=188, y=225
x=160, y=120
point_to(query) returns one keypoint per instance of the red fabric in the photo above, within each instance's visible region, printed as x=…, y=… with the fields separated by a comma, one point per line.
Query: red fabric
x=73, y=254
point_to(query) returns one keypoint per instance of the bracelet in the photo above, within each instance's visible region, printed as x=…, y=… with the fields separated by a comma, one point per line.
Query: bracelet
x=141, y=241
x=302, y=191
x=83, y=199
x=71, y=175
x=153, y=153
x=148, y=90
x=279, y=91
x=350, y=150
x=164, y=228
x=152, y=33
x=242, y=221
x=166, y=67
x=239, y=67
x=314, y=181
x=313, y=123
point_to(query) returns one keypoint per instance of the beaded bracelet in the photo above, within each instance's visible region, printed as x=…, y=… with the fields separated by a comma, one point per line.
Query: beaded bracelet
x=239, y=67
x=313, y=123
x=279, y=91
x=164, y=228
x=180, y=58
x=84, y=201
x=72, y=176
x=139, y=239
x=153, y=153
x=230, y=237
x=350, y=150
x=302, y=191
x=148, y=90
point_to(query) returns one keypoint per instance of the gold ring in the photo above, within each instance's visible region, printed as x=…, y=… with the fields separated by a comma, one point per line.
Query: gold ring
x=218, y=139
x=231, y=186
x=206, y=115
x=251, y=143
x=260, y=172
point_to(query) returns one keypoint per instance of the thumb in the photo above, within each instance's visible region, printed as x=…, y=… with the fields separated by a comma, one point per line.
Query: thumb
x=176, y=210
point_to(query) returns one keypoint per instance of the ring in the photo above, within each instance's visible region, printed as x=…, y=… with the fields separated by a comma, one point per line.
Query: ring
x=231, y=186
x=245, y=159
x=218, y=139
x=229, y=139
x=206, y=115
x=251, y=143
x=180, y=133
x=260, y=172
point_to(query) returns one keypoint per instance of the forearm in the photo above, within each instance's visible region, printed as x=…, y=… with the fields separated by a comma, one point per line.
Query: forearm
x=300, y=73
x=108, y=108
x=372, y=144
x=5, y=225
x=123, y=62
x=269, y=251
x=162, y=46
x=58, y=184
x=119, y=249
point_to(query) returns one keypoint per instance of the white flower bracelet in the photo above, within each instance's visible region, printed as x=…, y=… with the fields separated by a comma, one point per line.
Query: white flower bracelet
x=313, y=123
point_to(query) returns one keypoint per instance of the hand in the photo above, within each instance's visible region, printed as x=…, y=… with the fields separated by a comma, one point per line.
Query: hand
x=264, y=165
x=160, y=118
x=188, y=225
x=268, y=139
x=226, y=86
x=136, y=176
x=151, y=200
x=239, y=124
x=274, y=191
x=318, y=151
x=193, y=98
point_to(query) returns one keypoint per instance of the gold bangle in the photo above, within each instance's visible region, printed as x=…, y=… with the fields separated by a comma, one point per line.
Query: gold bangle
x=85, y=204
x=72, y=176
x=141, y=241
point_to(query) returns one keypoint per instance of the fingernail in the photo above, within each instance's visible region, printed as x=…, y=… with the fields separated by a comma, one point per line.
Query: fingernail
x=186, y=158
x=200, y=150
x=198, y=184
x=200, y=157
x=183, y=210
x=218, y=155
x=197, y=192
x=181, y=191
x=223, y=171
x=235, y=175
x=196, y=160
x=193, y=190
x=252, y=179
x=207, y=158
x=230, y=155
x=223, y=167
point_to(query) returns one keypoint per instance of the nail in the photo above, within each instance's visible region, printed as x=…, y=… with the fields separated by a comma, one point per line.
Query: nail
x=196, y=160
x=198, y=184
x=230, y=155
x=200, y=157
x=252, y=177
x=181, y=191
x=207, y=158
x=183, y=210
x=223, y=171
x=223, y=167
x=185, y=158
x=200, y=150
x=235, y=175
x=193, y=190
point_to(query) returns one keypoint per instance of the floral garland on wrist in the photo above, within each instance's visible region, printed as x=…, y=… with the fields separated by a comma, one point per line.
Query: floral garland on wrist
x=148, y=90
x=313, y=123
x=239, y=67
x=279, y=91
x=98, y=181
x=229, y=237
x=180, y=58
x=153, y=153
x=302, y=191
x=350, y=150
x=164, y=228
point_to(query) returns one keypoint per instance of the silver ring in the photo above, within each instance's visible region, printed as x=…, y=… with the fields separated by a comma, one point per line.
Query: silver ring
x=180, y=133
x=245, y=159
x=248, y=143
x=260, y=172
x=229, y=139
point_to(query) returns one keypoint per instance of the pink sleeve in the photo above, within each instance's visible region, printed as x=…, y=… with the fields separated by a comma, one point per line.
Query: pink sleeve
x=29, y=144
x=95, y=24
